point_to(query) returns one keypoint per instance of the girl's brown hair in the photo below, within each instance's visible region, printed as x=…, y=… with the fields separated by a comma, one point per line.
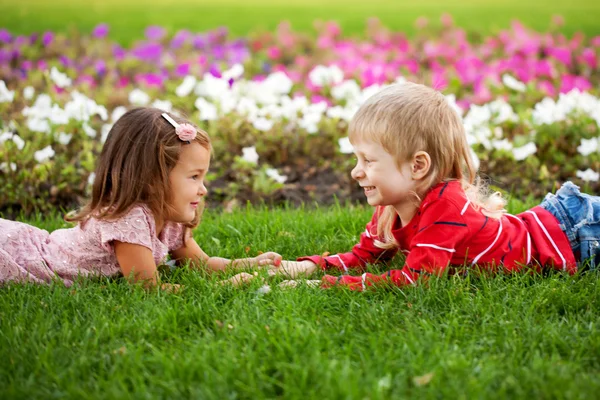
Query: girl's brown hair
x=407, y=118
x=139, y=153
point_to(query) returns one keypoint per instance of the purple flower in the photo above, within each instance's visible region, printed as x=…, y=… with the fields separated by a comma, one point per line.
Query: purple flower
x=218, y=52
x=182, y=69
x=155, y=33
x=4, y=56
x=100, y=31
x=180, y=38
x=5, y=36
x=32, y=39
x=27, y=65
x=47, y=38
x=66, y=61
x=214, y=71
x=200, y=41
x=42, y=65
x=150, y=80
x=100, y=67
x=118, y=52
x=148, y=51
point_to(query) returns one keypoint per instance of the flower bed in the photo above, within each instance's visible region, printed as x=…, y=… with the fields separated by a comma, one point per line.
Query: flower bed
x=277, y=105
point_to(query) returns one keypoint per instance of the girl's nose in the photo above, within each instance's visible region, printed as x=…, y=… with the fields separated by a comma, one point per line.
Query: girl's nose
x=202, y=189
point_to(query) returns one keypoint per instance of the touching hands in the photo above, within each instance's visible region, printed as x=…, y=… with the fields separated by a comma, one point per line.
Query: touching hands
x=294, y=269
x=269, y=258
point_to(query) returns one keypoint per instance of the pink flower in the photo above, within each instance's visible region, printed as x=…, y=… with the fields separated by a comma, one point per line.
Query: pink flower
x=186, y=132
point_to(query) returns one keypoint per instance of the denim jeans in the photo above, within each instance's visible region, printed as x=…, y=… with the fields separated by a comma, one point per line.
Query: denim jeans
x=578, y=215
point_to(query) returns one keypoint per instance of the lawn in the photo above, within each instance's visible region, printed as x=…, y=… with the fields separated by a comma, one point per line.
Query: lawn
x=129, y=18
x=504, y=337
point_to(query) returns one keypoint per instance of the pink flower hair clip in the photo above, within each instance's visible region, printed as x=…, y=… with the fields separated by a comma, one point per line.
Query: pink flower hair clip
x=186, y=132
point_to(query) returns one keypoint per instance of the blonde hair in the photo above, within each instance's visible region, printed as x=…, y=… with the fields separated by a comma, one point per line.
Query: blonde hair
x=407, y=118
x=140, y=151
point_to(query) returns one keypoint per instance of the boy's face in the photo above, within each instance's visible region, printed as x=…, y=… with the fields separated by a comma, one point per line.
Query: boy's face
x=187, y=182
x=384, y=184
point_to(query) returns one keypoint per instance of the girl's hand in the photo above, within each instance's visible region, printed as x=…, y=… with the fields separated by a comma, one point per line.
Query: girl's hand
x=268, y=258
x=295, y=283
x=171, y=287
x=294, y=269
x=239, y=279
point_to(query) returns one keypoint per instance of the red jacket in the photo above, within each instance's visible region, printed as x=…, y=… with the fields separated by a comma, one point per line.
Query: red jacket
x=448, y=231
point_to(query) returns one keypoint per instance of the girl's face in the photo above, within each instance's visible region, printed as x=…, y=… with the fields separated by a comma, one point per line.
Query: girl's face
x=384, y=184
x=187, y=182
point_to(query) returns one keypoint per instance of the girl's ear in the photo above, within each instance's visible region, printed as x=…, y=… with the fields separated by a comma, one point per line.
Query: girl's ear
x=420, y=166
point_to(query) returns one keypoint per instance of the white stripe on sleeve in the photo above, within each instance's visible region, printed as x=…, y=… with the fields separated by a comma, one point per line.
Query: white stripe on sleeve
x=342, y=261
x=364, y=277
x=564, y=262
x=435, y=246
x=465, y=207
x=528, y=236
x=490, y=246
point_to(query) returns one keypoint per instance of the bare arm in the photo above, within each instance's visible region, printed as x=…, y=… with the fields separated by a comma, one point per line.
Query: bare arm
x=136, y=262
x=192, y=252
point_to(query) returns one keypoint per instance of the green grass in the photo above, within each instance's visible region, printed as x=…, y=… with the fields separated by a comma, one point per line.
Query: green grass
x=129, y=18
x=503, y=337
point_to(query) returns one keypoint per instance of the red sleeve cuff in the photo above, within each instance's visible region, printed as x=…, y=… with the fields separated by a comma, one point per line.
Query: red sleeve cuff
x=318, y=260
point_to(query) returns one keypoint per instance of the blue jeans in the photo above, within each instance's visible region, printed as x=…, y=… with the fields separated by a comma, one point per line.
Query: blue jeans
x=579, y=217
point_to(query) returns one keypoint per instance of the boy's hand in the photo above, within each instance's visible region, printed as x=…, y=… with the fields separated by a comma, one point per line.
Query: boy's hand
x=268, y=258
x=294, y=269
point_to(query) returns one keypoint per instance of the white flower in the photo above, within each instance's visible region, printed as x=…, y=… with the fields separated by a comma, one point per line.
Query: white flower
x=513, y=83
x=208, y=111
x=18, y=141
x=249, y=154
x=348, y=90
x=263, y=124
x=322, y=75
x=588, y=146
x=28, y=92
x=503, y=144
x=451, y=99
x=4, y=136
x=64, y=138
x=588, y=175
x=211, y=87
x=236, y=71
x=117, y=113
x=345, y=146
x=164, y=105
x=6, y=96
x=38, y=125
x=60, y=79
x=278, y=83
x=91, y=179
x=186, y=87
x=138, y=97
x=274, y=174
x=5, y=167
x=82, y=108
x=476, y=162
x=105, y=130
x=91, y=132
x=44, y=155
x=264, y=289
x=521, y=153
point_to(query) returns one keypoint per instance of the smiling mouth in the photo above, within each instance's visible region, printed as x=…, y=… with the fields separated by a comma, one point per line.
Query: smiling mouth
x=368, y=188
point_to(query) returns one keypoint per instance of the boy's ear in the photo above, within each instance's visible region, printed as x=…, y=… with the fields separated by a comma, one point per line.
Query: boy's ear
x=421, y=163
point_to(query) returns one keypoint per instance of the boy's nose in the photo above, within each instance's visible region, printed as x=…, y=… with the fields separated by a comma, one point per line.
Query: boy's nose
x=357, y=173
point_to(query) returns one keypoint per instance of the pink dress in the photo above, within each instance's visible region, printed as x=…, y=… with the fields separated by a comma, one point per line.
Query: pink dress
x=31, y=254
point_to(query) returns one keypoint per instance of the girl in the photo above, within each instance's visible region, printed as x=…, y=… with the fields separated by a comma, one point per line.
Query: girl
x=414, y=163
x=146, y=199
